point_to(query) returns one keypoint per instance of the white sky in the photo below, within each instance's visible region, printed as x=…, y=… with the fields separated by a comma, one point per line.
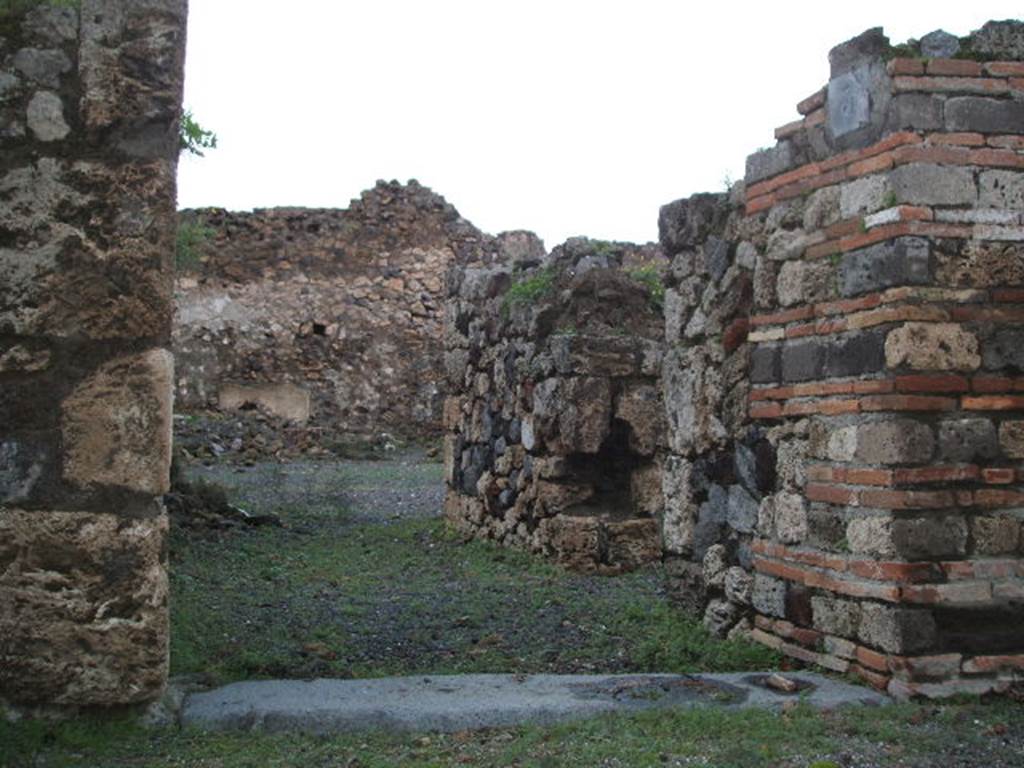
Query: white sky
x=564, y=117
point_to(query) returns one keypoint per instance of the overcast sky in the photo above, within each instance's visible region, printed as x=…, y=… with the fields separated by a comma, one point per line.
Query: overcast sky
x=558, y=116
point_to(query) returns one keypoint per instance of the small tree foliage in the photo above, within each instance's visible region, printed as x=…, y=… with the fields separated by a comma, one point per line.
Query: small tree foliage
x=193, y=138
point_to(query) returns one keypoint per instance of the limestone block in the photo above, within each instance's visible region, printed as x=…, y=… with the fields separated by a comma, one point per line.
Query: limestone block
x=804, y=282
x=769, y=596
x=896, y=630
x=1005, y=349
x=116, y=425
x=984, y=115
x=871, y=536
x=769, y=162
x=929, y=184
x=835, y=616
x=790, y=516
x=967, y=440
x=894, y=441
x=83, y=608
x=1001, y=189
x=822, y=208
x=45, y=117
x=931, y=537
x=1011, y=438
x=739, y=585
x=680, y=514
x=995, y=534
x=932, y=347
x=715, y=565
x=864, y=195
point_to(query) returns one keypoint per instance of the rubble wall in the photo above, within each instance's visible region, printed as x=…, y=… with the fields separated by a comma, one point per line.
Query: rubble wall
x=876, y=491
x=555, y=425
x=840, y=372
x=89, y=108
x=328, y=318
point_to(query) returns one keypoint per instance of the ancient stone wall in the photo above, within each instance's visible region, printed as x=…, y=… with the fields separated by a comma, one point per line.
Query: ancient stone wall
x=842, y=471
x=555, y=422
x=329, y=318
x=89, y=106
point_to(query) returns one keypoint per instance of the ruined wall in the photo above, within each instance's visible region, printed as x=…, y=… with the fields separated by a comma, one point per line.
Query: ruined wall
x=329, y=318
x=885, y=231
x=843, y=468
x=555, y=421
x=89, y=105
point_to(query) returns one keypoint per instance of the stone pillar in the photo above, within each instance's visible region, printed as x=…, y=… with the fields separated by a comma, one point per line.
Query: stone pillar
x=89, y=107
x=886, y=368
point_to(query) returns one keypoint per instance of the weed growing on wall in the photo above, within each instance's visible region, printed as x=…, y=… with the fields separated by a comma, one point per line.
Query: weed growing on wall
x=190, y=238
x=650, y=279
x=192, y=137
x=529, y=289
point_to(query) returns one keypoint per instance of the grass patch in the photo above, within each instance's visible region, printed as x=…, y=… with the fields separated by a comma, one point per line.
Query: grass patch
x=333, y=595
x=905, y=735
x=188, y=241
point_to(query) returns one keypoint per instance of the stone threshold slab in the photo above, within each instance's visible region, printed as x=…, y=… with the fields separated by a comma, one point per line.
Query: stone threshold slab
x=463, y=702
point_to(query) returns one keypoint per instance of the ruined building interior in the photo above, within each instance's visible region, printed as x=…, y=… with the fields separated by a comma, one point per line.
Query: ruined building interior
x=807, y=399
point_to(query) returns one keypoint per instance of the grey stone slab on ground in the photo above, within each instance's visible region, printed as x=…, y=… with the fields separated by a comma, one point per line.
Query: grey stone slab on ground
x=460, y=702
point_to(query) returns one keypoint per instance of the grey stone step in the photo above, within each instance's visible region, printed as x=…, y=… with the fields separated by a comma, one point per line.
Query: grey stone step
x=461, y=702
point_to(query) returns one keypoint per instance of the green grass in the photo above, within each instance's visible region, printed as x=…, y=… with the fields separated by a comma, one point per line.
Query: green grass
x=904, y=735
x=334, y=595
x=528, y=290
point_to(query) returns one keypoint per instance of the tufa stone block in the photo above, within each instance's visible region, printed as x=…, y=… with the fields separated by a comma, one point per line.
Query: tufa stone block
x=896, y=630
x=932, y=347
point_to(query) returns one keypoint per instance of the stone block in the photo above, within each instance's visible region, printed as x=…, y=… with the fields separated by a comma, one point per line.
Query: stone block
x=932, y=347
x=742, y=512
x=739, y=585
x=1011, y=438
x=980, y=114
x=1000, y=40
x=864, y=195
x=769, y=162
x=939, y=45
x=855, y=354
x=45, y=117
x=848, y=105
x=631, y=544
x=22, y=466
x=916, y=112
x=804, y=282
x=790, y=517
x=930, y=184
x=1005, y=349
x=42, y=66
x=646, y=490
x=903, y=261
x=720, y=616
x=85, y=620
x=897, y=630
x=680, y=516
x=803, y=360
x=995, y=534
x=835, y=616
x=769, y=596
x=895, y=441
x=715, y=564
x=931, y=537
x=685, y=585
x=765, y=364
x=967, y=440
x=822, y=209
x=116, y=425
x=1001, y=189
x=871, y=536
